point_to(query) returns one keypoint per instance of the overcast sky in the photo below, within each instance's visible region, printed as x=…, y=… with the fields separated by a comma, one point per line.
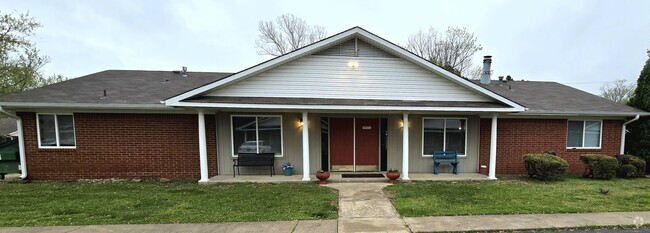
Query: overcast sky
x=580, y=43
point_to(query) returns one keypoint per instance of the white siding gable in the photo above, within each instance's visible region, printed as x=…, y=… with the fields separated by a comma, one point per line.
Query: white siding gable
x=378, y=78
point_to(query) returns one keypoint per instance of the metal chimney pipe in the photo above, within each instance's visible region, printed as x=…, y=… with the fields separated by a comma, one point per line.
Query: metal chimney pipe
x=485, y=74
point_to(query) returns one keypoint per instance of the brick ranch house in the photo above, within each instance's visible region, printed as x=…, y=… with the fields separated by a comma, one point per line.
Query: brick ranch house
x=351, y=102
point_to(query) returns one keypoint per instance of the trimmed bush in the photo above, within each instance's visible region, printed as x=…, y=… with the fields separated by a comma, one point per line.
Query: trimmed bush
x=626, y=171
x=599, y=166
x=630, y=166
x=545, y=166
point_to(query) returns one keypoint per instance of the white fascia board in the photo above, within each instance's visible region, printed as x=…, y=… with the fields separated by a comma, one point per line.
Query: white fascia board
x=176, y=101
x=575, y=114
x=265, y=66
x=342, y=107
x=82, y=105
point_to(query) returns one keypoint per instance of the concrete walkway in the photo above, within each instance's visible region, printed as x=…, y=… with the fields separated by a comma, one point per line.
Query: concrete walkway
x=325, y=226
x=525, y=221
x=363, y=207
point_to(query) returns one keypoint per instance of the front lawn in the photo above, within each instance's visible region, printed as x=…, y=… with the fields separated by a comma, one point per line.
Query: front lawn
x=82, y=203
x=519, y=196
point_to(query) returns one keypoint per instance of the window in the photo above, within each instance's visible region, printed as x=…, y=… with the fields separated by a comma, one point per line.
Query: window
x=56, y=131
x=443, y=134
x=257, y=134
x=584, y=134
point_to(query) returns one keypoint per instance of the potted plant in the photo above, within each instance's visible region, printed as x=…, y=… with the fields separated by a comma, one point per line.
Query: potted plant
x=322, y=176
x=393, y=175
x=287, y=168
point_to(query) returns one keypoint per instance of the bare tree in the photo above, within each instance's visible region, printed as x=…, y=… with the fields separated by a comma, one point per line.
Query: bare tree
x=452, y=50
x=286, y=34
x=619, y=90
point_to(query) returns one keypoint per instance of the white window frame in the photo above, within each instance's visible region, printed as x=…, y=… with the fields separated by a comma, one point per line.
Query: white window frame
x=584, y=127
x=56, y=131
x=257, y=131
x=444, y=133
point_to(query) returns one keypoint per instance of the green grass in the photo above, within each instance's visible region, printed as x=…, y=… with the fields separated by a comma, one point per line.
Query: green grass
x=519, y=196
x=82, y=203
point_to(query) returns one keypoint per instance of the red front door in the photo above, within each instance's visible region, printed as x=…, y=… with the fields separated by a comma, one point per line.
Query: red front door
x=367, y=144
x=344, y=134
x=342, y=144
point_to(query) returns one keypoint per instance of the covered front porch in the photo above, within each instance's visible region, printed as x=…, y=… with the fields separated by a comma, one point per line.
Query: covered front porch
x=309, y=141
x=378, y=82
x=337, y=177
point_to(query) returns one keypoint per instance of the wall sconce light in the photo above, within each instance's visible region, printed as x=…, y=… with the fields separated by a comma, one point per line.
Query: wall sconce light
x=401, y=123
x=353, y=64
x=300, y=121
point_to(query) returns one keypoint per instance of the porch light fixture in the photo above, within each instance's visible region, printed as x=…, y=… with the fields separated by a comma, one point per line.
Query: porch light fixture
x=353, y=64
x=300, y=120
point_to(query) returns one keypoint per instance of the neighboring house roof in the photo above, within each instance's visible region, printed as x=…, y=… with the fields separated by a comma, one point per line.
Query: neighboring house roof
x=548, y=98
x=124, y=89
x=7, y=125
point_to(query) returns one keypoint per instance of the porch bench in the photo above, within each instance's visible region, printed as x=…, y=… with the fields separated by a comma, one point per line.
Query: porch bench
x=445, y=157
x=253, y=160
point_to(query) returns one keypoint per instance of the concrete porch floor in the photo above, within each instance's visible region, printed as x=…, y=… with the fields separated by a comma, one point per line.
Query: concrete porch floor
x=336, y=177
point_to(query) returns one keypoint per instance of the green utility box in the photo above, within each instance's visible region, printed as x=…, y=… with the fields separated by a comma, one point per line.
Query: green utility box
x=9, y=156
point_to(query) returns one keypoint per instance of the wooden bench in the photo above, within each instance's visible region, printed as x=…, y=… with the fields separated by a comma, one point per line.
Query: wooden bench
x=445, y=157
x=253, y=160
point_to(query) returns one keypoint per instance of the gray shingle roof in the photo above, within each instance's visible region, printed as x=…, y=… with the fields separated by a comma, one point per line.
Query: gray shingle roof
x=149, y=88
x=555, y=98
x=123, y=87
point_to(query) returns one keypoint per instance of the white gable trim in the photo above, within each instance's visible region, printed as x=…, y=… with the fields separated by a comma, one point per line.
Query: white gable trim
x=346, y=107
x=356, y=31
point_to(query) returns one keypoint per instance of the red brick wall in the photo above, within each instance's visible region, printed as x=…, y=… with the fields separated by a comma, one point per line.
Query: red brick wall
x=517, y=137
x=123, y=146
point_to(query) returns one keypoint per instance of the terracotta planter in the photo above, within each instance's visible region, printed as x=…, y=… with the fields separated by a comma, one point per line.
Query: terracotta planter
x=392, y=176
x=322, y=177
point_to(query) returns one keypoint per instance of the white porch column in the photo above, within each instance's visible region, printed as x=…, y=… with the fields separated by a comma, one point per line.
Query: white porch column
x=305, y=148
x=203, y=149
x=493, y=149
x=405, y=148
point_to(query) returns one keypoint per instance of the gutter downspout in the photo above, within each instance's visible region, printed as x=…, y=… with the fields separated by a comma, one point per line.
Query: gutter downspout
x=624, y=131
x=21, y=142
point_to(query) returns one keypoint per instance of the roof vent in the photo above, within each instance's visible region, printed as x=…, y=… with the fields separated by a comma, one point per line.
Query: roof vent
x=184, y=72
x=485, y=74
x=104, y=96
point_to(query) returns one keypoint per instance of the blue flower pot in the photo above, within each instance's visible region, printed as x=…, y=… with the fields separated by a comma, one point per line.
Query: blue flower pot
x=288, y=171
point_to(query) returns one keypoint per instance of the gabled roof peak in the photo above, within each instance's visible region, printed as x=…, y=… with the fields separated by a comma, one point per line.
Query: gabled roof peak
x=332, y=40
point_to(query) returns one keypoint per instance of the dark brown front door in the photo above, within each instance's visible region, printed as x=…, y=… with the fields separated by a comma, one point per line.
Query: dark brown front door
x=354, y=144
